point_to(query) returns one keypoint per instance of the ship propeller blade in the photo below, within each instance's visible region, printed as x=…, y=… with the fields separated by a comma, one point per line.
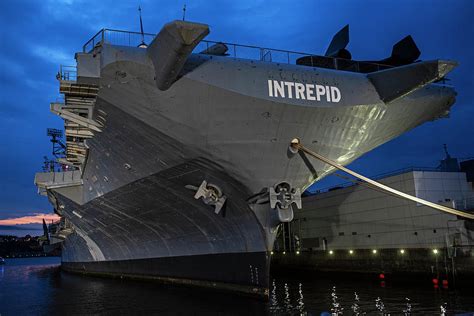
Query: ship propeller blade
x=297, y=146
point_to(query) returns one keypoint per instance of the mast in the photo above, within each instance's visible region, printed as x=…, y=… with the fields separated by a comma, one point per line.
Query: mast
x=142, y=44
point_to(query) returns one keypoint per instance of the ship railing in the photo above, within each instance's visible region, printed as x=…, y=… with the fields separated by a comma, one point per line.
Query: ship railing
x=290, y=57
x=49, y=180
x=67, y=73
x=134, y=39
x=117, y=37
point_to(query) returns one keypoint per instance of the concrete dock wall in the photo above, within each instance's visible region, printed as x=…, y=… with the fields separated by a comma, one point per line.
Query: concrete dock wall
x=387, y=261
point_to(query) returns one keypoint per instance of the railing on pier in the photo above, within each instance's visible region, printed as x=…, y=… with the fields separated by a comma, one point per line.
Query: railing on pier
x=377, y=177
x=464, y=204
x=134, y=39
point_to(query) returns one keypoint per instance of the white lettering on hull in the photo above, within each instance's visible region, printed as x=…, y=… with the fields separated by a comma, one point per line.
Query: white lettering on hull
x=310, y=92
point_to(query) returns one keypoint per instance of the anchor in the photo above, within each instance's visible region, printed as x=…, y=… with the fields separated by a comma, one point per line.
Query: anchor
x=282, y=198
x=211, y=194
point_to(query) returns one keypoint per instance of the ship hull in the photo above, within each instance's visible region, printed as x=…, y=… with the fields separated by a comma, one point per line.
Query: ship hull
x=136, y=215
x=221, y=110
x=154, y=228
x=246, y=273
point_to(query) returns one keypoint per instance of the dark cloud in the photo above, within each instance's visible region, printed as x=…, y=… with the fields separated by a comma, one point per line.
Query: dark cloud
x=37, y=36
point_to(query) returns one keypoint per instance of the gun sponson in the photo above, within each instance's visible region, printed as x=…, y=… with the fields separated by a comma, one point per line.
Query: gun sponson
x=303, y=91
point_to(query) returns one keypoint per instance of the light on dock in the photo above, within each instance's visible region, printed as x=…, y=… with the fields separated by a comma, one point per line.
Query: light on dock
x=297, y=252
x=374, y=251
x=402, y=251
x=284, y=252
x=435, y=251
x=351, y=252
x=271, y=252
x=331, y=252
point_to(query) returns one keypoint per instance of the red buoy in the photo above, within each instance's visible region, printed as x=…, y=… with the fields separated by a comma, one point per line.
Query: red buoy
x=381, y=276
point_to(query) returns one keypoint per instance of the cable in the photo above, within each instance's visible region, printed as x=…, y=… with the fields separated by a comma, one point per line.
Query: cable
x=295, y=146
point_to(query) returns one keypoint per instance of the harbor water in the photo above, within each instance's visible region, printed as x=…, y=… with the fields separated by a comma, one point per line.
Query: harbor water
x=38, y=286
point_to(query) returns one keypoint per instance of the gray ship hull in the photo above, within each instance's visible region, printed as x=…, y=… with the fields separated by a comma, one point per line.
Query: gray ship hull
x=147, y=230
x=152, y=227
x=231, y=272
x=136, y=213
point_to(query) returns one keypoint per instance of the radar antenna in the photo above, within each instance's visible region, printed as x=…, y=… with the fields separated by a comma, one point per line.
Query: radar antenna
x=59, y=149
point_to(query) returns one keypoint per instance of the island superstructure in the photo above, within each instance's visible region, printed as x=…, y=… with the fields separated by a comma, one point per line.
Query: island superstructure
x=179, y=166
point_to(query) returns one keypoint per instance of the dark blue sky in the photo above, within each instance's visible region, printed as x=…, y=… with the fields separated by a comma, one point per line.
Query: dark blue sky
x=37, y=36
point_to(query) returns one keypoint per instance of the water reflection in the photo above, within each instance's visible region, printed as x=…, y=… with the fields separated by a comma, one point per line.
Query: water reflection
x=336, y=308
x=355, y=306
x=300, y=301
x=407, y=310
x=38, y=286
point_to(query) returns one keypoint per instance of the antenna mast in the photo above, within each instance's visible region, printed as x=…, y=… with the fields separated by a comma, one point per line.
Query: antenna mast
x=446, y=151
x=142, y=44
x=59, y=150
x=184, y=12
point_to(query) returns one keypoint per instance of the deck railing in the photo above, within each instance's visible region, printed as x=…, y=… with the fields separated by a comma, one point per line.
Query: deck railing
x=117, y=37
x=58, y=179
x=134, y=39
x=68, y=73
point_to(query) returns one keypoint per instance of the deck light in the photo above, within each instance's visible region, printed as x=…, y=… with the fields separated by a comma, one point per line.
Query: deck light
x=331, y=252
x=435, y=251
x=284, y=252
x=297, y=252
x=402, y=251
x=271, y=252
x=374, y=251
x=351, y=251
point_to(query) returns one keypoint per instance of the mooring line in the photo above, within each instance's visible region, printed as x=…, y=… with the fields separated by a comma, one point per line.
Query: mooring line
x=296, y=146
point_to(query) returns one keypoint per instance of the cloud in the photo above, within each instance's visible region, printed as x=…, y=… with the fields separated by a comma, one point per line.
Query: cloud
x=53, y=55
x=36, y=218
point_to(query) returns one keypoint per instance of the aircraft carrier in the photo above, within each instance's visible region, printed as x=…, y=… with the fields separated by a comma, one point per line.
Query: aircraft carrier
x=177, y=165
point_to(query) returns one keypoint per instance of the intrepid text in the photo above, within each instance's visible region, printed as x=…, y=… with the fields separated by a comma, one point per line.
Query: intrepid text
x=308, y=91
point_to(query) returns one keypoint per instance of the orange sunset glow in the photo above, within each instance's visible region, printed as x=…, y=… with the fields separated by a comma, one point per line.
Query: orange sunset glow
x=36, y=218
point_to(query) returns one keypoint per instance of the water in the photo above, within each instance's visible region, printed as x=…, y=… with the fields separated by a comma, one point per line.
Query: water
x=37, y=286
